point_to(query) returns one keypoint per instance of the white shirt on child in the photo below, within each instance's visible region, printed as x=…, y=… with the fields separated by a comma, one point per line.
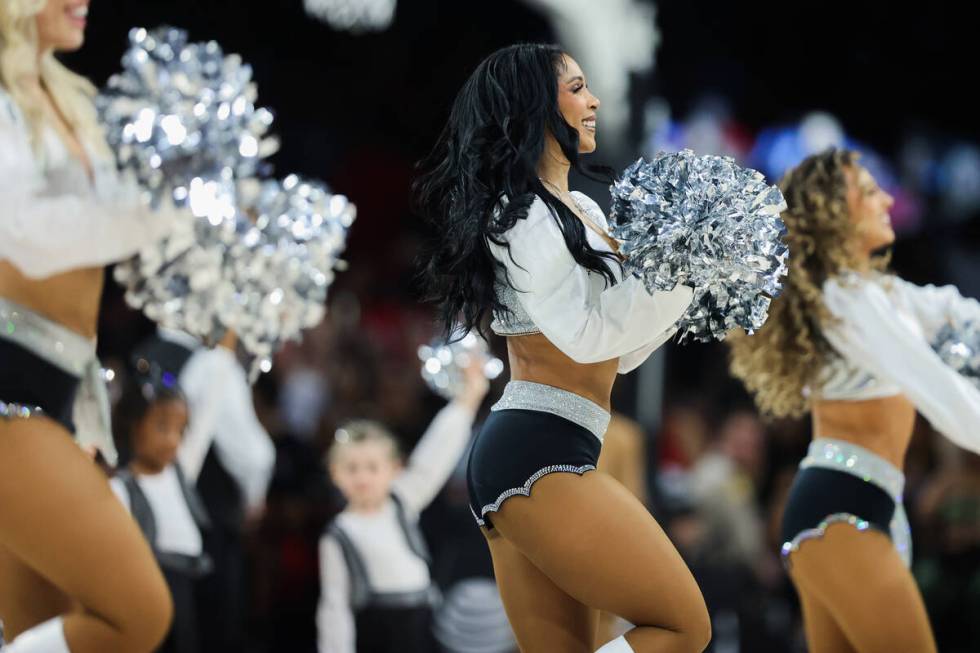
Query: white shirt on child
x=176, y=530
x=219, y=400
x=391, y=565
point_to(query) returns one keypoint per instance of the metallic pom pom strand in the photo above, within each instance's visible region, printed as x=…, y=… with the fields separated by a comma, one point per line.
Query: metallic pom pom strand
x=705, y=222
x=443, y=363
x=959, y=346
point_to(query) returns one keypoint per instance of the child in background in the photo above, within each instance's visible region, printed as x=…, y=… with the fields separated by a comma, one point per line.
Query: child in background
x=149, y=424
x=376, y=592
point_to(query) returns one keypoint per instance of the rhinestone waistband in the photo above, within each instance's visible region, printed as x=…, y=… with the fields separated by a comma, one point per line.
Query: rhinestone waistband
x=59, y=346
x=847, y=457
x=73, y=353
x=527, y=395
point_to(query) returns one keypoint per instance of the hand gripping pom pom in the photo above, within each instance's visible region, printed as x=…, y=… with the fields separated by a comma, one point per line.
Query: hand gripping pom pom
x=705, y=222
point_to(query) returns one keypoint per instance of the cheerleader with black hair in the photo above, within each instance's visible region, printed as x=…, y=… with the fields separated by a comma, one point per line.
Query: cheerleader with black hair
x=516, y=245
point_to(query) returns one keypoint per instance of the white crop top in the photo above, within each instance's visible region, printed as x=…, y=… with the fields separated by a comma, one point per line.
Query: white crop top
x=572, y=306
x=883, y=336
x=55, y=218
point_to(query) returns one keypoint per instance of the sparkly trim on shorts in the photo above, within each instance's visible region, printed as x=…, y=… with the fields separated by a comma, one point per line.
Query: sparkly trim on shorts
x=841, y=482
x=534, y=430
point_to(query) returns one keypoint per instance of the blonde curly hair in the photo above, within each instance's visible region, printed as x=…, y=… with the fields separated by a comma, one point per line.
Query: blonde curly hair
x=20, y=67
x=786, y=355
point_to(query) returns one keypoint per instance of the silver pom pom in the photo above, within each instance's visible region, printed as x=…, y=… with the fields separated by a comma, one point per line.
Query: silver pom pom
x=705, y=222
x=182, y=111
x=284, y=261
x=959, y=347
x=260, y=255
x=443, y=363
x=355, y=16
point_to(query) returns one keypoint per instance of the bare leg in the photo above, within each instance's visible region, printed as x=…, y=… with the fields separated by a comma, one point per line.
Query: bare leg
x=857, y=580
x=599, y=547
x=823, y=633
x=60, y=522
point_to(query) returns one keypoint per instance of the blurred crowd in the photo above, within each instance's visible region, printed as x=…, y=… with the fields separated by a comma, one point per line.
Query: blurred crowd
x=714, y=474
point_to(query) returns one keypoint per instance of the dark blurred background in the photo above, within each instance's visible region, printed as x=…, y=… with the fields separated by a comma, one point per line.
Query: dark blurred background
x=765, y=82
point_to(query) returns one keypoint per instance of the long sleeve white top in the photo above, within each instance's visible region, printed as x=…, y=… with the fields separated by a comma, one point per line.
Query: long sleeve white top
x=55, y=217
x=883, y=332
x=222, y=415
x=573, y=307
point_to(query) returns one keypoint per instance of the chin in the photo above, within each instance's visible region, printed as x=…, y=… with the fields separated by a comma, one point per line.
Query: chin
x=71, y=45
x=68, y=40
x=886, y=240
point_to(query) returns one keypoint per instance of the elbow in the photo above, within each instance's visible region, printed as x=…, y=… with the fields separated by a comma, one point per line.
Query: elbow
x=32, y=268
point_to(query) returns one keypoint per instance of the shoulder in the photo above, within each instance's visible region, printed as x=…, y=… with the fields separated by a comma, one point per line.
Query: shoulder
x=850, y=294
x=851, y=283
x=591, y=206
x=531, y=216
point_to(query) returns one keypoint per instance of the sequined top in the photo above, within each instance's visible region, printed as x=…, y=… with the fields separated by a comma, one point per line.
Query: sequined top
x=55, y=217
x=882, y=337
x=573, y=307
x=517, y=322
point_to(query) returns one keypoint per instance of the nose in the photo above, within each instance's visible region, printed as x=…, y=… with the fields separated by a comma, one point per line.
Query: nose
x=594, y=104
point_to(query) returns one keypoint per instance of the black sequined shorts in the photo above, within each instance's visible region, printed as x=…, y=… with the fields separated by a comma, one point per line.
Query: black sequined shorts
x=840, y=482
x=29, y=382
x=534, y=430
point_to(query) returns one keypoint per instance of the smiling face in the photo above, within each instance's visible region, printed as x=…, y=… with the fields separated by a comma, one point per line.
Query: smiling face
x=577, y=104
x=61, y=25
x=867, y=206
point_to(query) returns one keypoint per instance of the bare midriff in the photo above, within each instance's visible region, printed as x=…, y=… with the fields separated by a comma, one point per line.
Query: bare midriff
x=71, y=298
x=883, y=426
x=534, y=358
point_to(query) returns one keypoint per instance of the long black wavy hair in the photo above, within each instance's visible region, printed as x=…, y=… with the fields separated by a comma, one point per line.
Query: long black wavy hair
x=489, y=150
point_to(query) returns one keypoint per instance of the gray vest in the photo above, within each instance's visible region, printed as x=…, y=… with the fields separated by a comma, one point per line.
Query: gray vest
x=194, y=566
x=362, y=595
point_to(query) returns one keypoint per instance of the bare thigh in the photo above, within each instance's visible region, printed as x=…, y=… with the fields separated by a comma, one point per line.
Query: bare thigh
x=857, y=580
x=26, y=597
x=539, y=610
x=61, y=524
x=580, y=543
x=823, y=633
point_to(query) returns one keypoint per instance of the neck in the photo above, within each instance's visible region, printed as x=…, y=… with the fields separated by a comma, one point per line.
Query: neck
x=140, y=468
x=553, y=167
x=365, y=508
x=42, y=51
x=31, y=81
x=862, y=261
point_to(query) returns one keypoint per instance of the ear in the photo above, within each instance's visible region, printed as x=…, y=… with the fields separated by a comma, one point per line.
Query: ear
x=331, y=471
